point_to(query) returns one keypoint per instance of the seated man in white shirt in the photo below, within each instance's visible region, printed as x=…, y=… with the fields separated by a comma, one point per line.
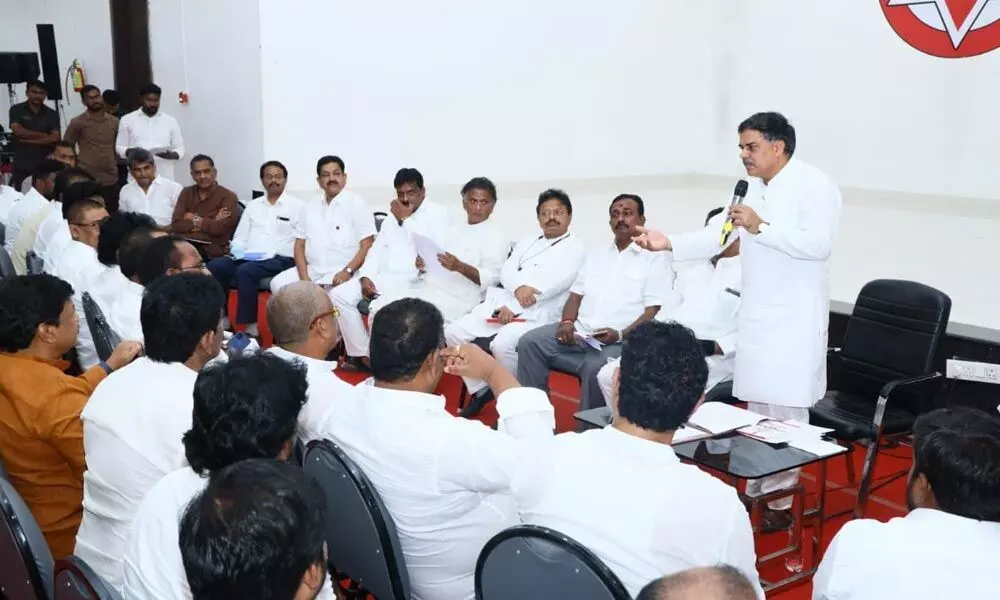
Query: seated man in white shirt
x=8, y=197
x=261, y=246
x=619, y=287
x=390, y=266
x=333, y=232
x=115, y=230
x=445, y=480
x=261, y=397
x=303, y=321
x=52, y=231
x=149, y=193
x=468, y=260
x=257, y=532
x=35, y=199
x=160, y=257
x=134, y=421
x=947, y=546
x=534, y=286
x=83, y=207
x=703, y=583
x=708, y=303
x=651, y=515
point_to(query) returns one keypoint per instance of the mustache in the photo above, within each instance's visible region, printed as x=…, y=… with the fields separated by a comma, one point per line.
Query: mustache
x=622, y=226
x=553, y=222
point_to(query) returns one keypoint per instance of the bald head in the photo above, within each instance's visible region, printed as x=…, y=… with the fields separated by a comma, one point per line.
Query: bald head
x=292, y=312
x=708, y=583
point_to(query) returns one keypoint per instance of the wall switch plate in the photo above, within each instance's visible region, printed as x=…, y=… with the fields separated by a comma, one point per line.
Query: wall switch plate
x=970, y=370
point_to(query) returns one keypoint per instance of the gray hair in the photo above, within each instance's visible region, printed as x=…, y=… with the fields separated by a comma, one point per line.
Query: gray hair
x=292, y=310
x=138, y=156
x=722, y=582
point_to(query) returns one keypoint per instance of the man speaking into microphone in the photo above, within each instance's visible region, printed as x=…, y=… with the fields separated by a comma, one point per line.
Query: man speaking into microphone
x=786, y=228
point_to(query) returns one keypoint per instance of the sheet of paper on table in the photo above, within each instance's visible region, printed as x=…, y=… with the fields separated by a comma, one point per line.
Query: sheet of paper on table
x=819, y=447
x=783, y=432
x=719, y=417
x=428, y=250
x=688, y=434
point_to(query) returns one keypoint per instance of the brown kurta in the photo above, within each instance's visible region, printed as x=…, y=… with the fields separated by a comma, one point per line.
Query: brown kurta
x=41, y=441
x=216, y=232
x=95, y=136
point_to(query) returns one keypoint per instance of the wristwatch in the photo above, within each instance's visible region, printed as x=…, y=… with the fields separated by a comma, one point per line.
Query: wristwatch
x=763, y=226
x=349, y=270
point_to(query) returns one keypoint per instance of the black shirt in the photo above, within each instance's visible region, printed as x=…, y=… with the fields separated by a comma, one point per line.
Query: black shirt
x=29, y=156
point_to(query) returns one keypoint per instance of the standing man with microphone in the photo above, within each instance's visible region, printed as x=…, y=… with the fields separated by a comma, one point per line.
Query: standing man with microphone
x=786, y=229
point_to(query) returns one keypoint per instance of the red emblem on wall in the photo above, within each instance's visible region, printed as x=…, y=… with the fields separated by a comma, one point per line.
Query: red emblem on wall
x=946, y=28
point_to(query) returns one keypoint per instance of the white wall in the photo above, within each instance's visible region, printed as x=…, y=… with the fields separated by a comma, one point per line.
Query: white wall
x=211, y=51
x=869, y=109
x=83, y=31
x=516, y=90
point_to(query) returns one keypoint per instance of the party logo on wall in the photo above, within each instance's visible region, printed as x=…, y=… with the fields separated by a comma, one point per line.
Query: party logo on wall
x=946, y=28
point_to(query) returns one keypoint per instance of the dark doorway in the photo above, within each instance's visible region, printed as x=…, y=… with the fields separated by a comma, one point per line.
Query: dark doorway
x=130, y=46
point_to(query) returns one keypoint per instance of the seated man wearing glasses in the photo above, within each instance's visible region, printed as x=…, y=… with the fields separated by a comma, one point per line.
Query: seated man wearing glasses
x=83, y=209
x=534, y=285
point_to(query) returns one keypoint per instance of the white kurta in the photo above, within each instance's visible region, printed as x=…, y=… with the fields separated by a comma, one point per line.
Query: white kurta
x=8, y=197
x=785, y=307
x=325, y=391
x=53, y=237
x=138, y=130
x=157, y=201
x=21, y=211
x=79, y=267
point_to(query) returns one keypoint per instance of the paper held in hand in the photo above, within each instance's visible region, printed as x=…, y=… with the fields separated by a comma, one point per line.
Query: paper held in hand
x=589, y=339
x=428, y=250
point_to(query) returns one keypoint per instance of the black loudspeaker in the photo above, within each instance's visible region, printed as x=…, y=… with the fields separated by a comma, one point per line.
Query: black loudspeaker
x=50, y=61
x=18, y=67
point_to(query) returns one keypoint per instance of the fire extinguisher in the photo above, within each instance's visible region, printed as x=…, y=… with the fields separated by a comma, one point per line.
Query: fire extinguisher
x=76, y=76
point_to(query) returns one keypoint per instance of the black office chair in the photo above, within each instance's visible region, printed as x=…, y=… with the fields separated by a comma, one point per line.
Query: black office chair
x=3, y=233
x=888, y=354
x=6, y=265
x=721, y=392
x=105, y=340
x=362, y=540
x=75, y=580
x=35, y=263
x=527, y=562
x=25, y=560
x=379, y=217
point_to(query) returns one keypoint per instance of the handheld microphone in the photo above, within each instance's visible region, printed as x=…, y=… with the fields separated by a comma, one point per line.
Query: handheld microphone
x=739, y=192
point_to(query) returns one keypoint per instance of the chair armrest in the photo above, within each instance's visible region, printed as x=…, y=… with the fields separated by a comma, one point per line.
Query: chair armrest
x=893, y=385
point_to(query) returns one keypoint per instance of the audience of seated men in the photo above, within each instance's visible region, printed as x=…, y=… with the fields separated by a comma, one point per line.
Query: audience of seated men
x=159, y=257
x=246, y=408
x=205, y=212
x=444, y=479
x=83, y=209
x=473, y=252
x=533, y=287
x=390, y=266
x=41, y=437
x=622, y=492
x=114, y=281
x=619, y=287
x=149, y=193
x=52, y=231
x=703, y=583
x=303, y=322
x=333, y=231
x=948, y=544
x=37, y=197
x=257, y=532
x=709, y=300
x=262, y=245
x=134, y=421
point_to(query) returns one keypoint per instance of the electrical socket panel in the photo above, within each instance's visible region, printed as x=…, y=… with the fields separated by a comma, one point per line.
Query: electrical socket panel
x=970, y=370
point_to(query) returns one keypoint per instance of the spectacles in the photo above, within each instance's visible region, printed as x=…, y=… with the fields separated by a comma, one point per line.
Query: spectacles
x=545, y=214
x=198, y=267
x=94, y=224
x=335, y=313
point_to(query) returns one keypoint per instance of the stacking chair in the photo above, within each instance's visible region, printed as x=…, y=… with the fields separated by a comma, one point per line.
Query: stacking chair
x=527, y=562
x=25, y=559
x=105, y=339
x=362, y=539
x=75, y=580
x=35, y=263
x=6, y=265
x=885, y=369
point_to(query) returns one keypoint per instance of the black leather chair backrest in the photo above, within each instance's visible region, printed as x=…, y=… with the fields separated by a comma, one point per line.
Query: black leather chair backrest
x=75, y=580
x=362, y=540
x=6, y=265
x=893, y=333
x=528, y=562
x=105, y=339
x=35, y=264
x=379, y=217
x=25, y=560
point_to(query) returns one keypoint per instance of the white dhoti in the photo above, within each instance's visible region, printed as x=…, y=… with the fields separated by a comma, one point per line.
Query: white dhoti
x=453, y=304
x=290, y=276
x=352, y=326
x=785, y=479
x=503, y=346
